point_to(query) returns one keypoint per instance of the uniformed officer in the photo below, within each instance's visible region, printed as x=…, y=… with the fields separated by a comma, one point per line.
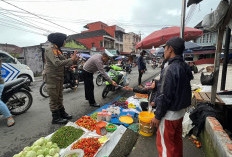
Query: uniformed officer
x=54, y=76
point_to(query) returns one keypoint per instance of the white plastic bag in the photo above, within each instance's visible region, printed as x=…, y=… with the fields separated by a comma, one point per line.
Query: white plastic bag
x=186, y=124
x=133, y=101
x=79, y=152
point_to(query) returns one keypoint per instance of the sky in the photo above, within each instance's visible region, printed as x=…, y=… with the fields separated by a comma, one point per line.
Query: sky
x=21, y=28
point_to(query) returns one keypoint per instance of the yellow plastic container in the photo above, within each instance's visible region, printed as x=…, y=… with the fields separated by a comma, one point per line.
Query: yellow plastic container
x=145, y=128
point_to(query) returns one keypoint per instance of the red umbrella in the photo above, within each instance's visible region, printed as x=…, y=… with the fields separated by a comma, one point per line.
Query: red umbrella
x=160, y=37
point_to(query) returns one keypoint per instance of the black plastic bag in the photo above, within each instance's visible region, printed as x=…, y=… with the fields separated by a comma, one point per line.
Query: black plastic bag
x=207, y=79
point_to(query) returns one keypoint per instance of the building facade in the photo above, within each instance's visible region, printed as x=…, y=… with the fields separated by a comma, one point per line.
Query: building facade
x=130, y=41
x=100, y=36
x=209, y=38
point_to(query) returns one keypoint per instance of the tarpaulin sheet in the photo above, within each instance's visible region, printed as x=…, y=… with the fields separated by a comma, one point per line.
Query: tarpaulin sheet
x=115, y=120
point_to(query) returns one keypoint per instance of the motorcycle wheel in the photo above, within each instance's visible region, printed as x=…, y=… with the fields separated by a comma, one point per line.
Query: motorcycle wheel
x=43, y=90
x=99, y=80
x=19, y=102
x=105, y=91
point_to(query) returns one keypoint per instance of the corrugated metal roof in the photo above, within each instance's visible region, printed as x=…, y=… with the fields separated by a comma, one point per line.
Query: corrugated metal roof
x=88, y=34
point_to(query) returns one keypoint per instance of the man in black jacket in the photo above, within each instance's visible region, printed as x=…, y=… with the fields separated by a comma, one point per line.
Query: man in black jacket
x=141, y=67
x=173, y=96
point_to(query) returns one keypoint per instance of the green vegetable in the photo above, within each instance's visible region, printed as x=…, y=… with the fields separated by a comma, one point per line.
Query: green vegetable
x=39, y=142
x=94, y=115
x=31, y=154
x=52, y=151
x=41, y=148
x=57, y=155
x=123, y=99
x=66, y=135
x=49, y=144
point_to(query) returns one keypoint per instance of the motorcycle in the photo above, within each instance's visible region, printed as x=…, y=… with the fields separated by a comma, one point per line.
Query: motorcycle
x=16, y=95
x=154, y=65
x=72, y=77
x=100, y=79
x=127, y=68
x=118, y=75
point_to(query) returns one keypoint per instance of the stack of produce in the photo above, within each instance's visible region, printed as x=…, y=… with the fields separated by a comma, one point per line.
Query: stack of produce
x=94, y=115
x=123, y=99
x=89, y=145
x=41, y=148
x=141, y=95
x=66, y=135
x=87, y=122
x=121, y=104
x=114, y=110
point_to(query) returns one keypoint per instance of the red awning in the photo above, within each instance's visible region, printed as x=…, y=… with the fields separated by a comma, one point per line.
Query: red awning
x=160, y=37
x=125, y=53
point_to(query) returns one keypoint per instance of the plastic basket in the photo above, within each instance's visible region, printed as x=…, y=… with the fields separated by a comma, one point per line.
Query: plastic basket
x=111, y=129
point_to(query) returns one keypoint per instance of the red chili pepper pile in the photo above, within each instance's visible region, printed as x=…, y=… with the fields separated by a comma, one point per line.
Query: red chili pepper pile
x=87, y=122
x=89, y=145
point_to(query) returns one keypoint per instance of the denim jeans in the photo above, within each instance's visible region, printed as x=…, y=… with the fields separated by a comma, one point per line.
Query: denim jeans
x=3, y=108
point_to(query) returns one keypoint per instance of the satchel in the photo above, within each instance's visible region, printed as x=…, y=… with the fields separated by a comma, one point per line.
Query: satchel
x=207, y=79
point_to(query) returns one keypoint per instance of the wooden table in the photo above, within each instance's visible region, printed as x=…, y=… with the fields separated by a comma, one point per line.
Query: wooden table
x=206, y=97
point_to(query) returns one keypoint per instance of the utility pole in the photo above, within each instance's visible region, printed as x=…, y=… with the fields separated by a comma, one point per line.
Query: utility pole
x=182, y=19
x=226, y=58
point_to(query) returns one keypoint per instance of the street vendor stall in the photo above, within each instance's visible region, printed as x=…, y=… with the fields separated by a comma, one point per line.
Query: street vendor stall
x=96, y=134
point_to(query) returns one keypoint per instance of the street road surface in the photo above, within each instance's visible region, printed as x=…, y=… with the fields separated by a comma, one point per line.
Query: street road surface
x=36, y=122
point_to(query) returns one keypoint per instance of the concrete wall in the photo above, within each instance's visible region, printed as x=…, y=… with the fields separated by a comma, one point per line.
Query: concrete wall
x=129, y=42
x=216, y=142
x=33, y=57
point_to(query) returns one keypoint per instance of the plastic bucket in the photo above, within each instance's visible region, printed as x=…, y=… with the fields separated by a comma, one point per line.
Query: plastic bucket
x=145, y=128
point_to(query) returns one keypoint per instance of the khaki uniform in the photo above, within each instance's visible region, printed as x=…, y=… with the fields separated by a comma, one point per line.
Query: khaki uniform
x=54, y=75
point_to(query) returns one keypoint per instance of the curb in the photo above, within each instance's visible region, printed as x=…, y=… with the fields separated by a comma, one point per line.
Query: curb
x=216, y=140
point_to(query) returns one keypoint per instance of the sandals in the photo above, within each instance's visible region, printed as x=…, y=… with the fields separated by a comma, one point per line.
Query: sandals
x=10, y=121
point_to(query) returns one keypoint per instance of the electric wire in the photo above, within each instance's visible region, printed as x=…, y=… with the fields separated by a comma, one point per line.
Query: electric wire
x=38, y=16
x=25, y=24
x=3, y=23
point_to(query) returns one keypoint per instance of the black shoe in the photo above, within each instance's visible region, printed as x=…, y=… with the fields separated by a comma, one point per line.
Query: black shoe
x=64, y=115
x=57, y=119
x=95, y=105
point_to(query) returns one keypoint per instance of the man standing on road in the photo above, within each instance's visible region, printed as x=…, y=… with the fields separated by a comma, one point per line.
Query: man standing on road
x=141, y=67
x=94, y=64
x=174, y=95
x=54, y=76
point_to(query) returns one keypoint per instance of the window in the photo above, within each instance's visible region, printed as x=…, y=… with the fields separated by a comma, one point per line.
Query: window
x=204, y=38
x=93, y=45
x=6, y=59
x=101, y=44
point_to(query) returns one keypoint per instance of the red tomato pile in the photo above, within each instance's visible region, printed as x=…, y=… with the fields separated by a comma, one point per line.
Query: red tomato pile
x=89, y=145
x=87, y=122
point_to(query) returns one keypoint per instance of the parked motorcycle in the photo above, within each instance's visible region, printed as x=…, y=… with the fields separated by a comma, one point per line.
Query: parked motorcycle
x=100, y=79
x=16, y=95
x=72, y=77
x=154, y=65
x=118, y=75
x=127, y=68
